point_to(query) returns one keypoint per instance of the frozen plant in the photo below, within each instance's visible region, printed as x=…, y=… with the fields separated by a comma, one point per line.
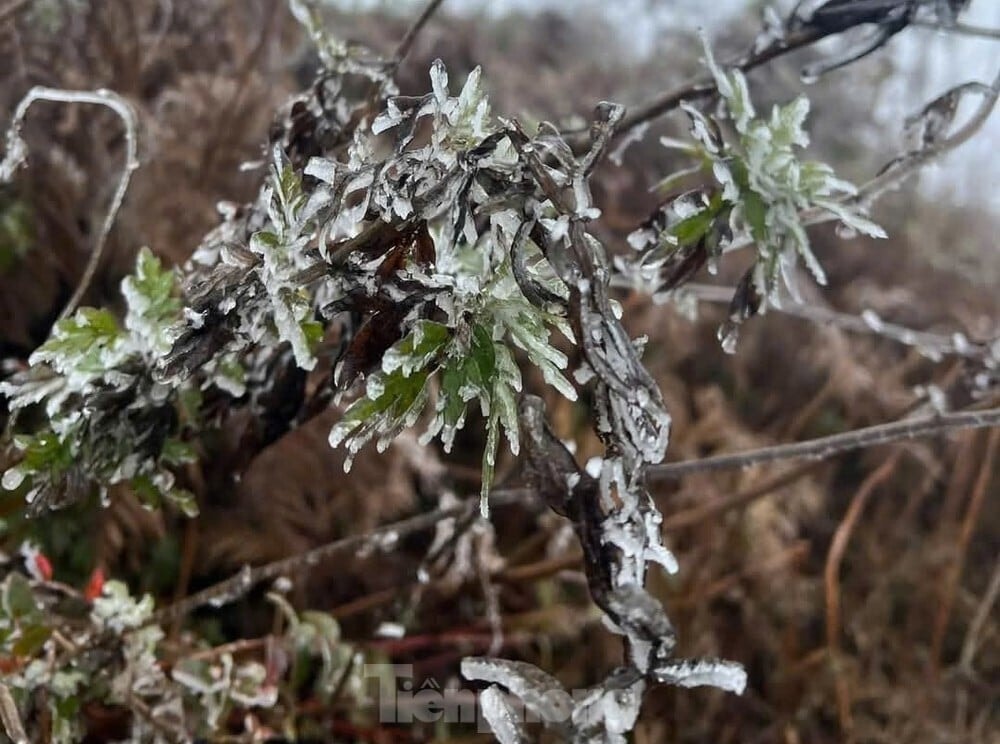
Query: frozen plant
x=411, y=259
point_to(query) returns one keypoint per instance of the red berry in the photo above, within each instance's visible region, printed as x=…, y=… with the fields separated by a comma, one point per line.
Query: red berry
x=94, y=585
x=44, y=566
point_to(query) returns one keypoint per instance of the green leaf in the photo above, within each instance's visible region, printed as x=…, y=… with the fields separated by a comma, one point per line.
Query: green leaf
x=691, y=229
x=453, y=378
x=79, y=343
x=184, y=500
x=264, y=240
x=18, y=599
x=155, y=285
x=44, y=452
x=755, y=213
x=483, y=354
x=787, y=123
x=313, y=331
x=395, y=395
x=33, y=638
x=176, y=452
x=417, y=349
x=147, y=491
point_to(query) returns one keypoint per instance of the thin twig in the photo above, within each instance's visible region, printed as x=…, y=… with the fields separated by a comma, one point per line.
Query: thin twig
x=169, y=729
x=406, y=43
x=17, y=152
x=694, y=90
x=370, y=601
x=933, y=345
x=703, y=87
x=454, y=637
x=831, y=582
x=236, y=586
x=540, y=569
x=826, y=447
x=961, y=29
x=514, y=575
x=234, y=647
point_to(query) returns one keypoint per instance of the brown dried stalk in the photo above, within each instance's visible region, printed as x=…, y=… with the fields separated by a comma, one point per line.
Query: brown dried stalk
x=971, y=519
x=406, y=43
x=831, y=580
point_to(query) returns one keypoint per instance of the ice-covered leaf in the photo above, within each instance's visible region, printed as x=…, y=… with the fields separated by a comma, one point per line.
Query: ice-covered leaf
x=725, y=675
x=154, y=307
x=540, y=692
x=118, y=610
x=501, y=716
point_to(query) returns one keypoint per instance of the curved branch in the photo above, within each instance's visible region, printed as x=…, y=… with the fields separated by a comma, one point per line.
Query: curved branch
x=913, y=161
x=17, y=152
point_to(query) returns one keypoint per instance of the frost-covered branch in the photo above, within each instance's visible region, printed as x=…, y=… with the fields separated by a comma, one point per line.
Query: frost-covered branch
x=835, y=444
x=778, y=38
x=931, y=130
x=961, y=29
x=383, y=538
x=934, y=346
x=691, y=92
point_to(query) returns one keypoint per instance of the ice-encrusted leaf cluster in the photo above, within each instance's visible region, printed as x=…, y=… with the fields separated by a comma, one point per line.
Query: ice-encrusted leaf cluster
x=433, y=250
x=765, y=193
x=107, y=419
x=473, y=315
x=282, y=253
x=769, y=185
x=115, y=657
x=470, y=359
